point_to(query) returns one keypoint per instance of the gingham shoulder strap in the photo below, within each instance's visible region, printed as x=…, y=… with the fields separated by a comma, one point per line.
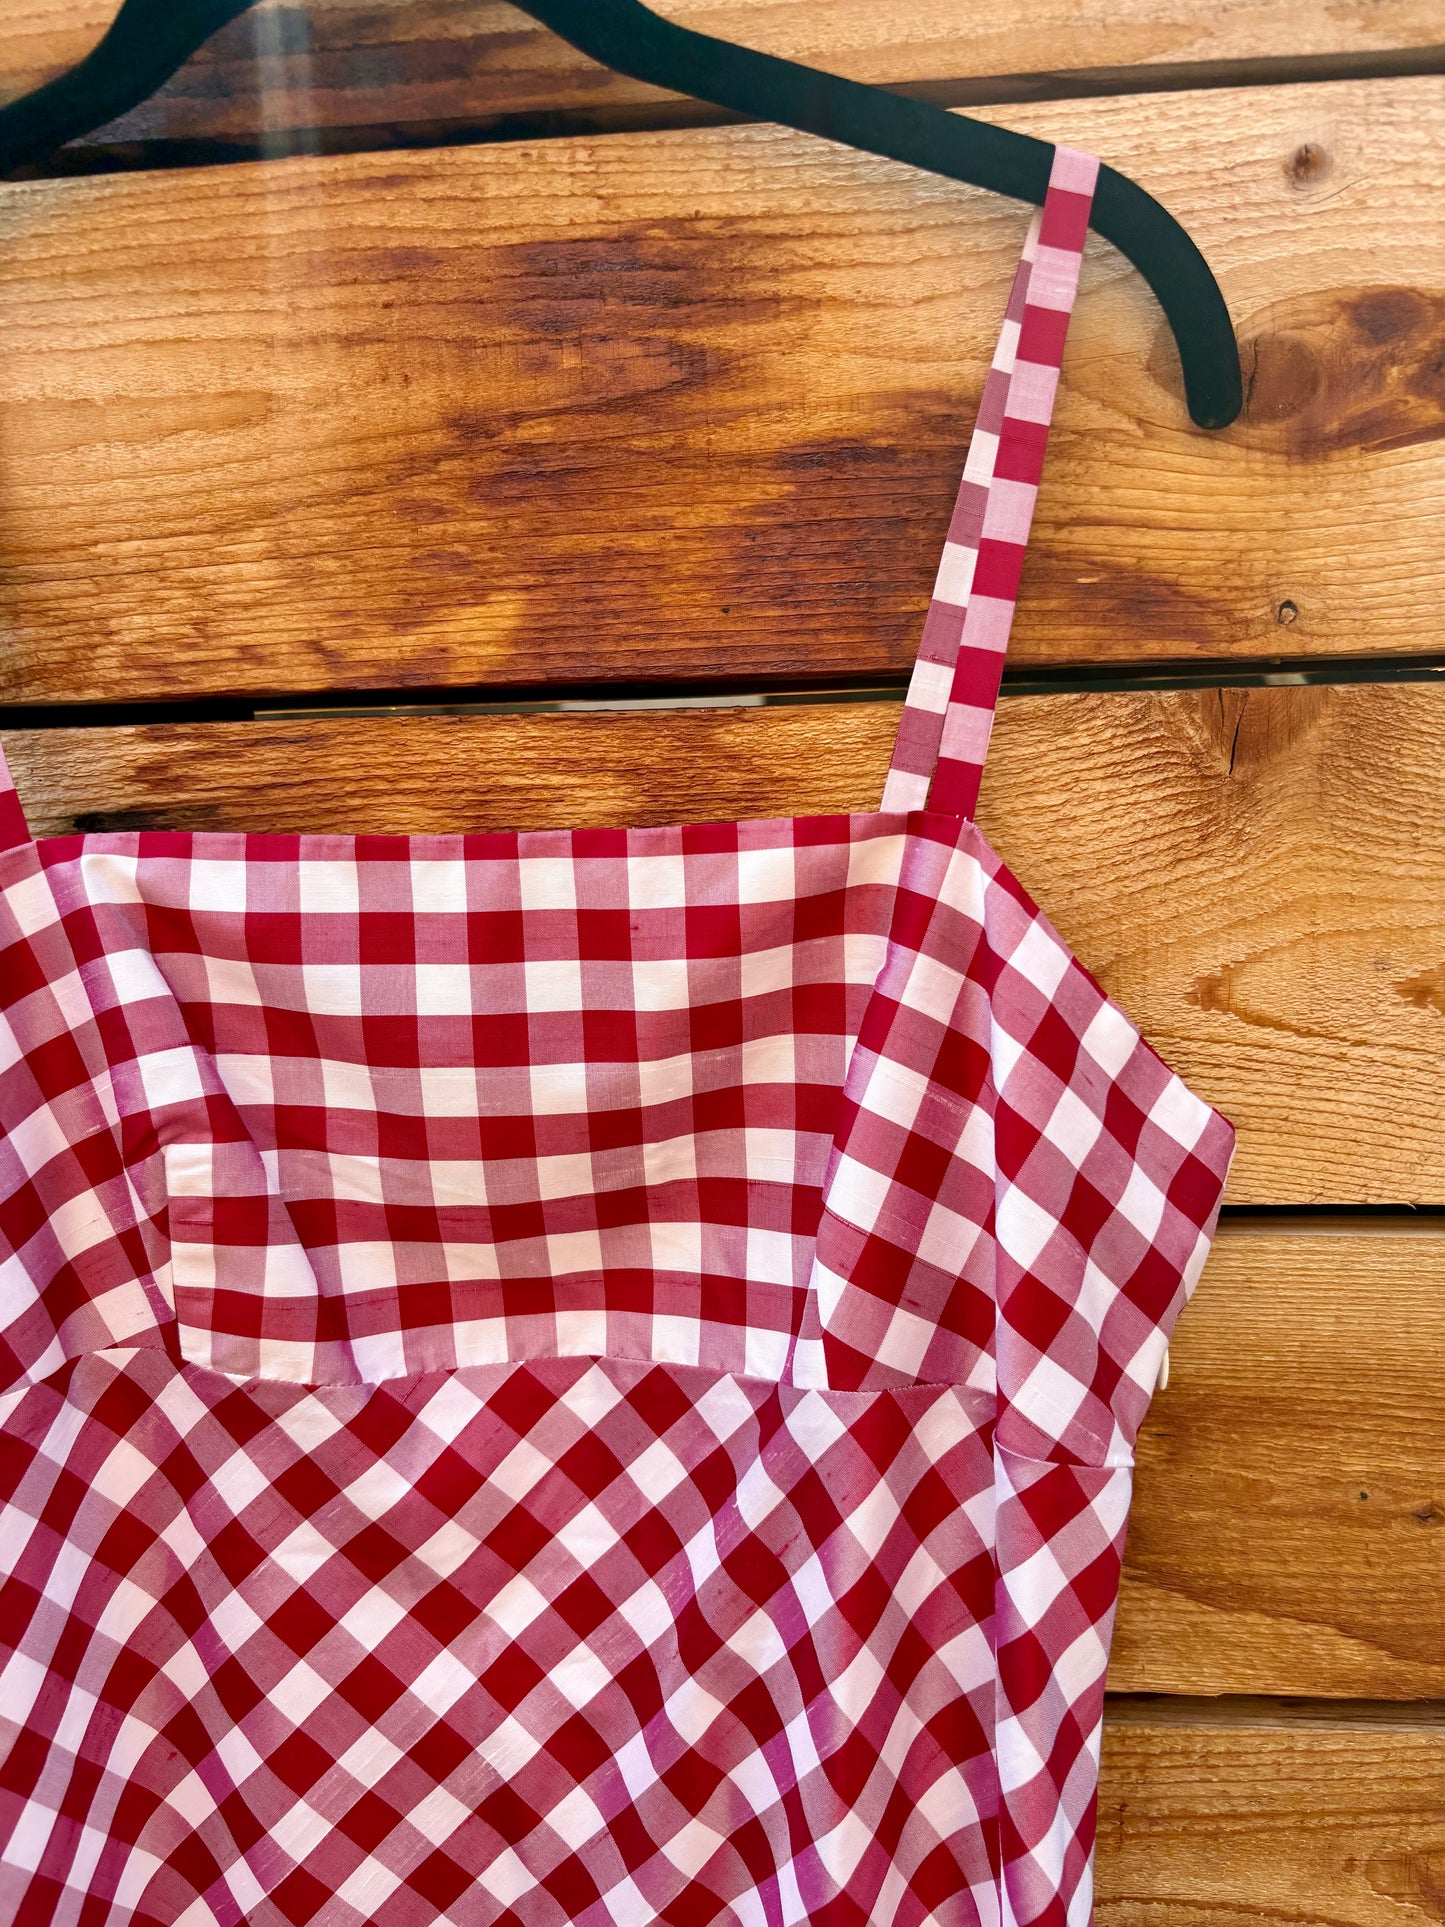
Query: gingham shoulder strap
x=943, y=736
x=14, y=830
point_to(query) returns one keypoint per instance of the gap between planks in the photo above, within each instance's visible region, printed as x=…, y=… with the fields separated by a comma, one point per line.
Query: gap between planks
x=551, y=699
x=98, y=155
x=1270, y=1711
x=1340, y=1221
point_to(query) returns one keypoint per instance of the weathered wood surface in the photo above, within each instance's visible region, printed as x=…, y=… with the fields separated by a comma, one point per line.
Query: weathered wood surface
x=694, y=403
x=369, y=70
x=1259, y=876
x=1288, y=1531
x=1270, y=1821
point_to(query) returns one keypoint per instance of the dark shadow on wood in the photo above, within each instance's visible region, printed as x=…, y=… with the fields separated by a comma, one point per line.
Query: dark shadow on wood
x=101, y=154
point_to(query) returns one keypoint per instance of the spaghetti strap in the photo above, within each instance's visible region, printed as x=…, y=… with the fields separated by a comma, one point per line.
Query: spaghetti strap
x=948, y=715
x=14, y=830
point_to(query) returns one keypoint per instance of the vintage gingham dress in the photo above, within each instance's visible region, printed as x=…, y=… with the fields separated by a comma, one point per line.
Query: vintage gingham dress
x=582, y=1376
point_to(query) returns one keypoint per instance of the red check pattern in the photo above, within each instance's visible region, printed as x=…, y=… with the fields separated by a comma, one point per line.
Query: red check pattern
x=939, y=756
x=582, y=1377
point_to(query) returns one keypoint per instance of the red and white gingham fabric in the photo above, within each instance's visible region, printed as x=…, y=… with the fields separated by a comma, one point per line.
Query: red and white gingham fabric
x=581, y=1377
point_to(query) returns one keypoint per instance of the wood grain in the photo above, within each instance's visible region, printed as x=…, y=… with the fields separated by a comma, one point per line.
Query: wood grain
x=693, y=404
x=1259, y=876
x=352, y=65
x=1269, y=1821
x=1288, y=1530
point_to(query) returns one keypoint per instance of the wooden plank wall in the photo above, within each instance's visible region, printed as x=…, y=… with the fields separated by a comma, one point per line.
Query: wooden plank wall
x=500, y=380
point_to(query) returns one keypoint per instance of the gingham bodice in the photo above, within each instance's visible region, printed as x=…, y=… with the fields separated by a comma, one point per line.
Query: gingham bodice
x=583, y=1376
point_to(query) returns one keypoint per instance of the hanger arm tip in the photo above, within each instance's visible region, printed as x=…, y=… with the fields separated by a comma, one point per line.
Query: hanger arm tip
x=1181, y=281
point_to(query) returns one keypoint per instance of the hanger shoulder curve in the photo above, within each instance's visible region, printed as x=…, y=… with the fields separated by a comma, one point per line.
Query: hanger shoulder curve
x=149, y=39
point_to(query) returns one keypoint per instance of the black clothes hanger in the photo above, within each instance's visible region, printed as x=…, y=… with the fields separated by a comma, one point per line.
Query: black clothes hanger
x=149, y=39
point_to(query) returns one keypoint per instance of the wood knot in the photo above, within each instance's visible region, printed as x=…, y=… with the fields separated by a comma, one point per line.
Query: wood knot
x=1214, y=991
x=1308, y=164
x=1285, y=379
x=1388, y=314
x=1414, y=1880
x=1425, y=992
x=1363, y=368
